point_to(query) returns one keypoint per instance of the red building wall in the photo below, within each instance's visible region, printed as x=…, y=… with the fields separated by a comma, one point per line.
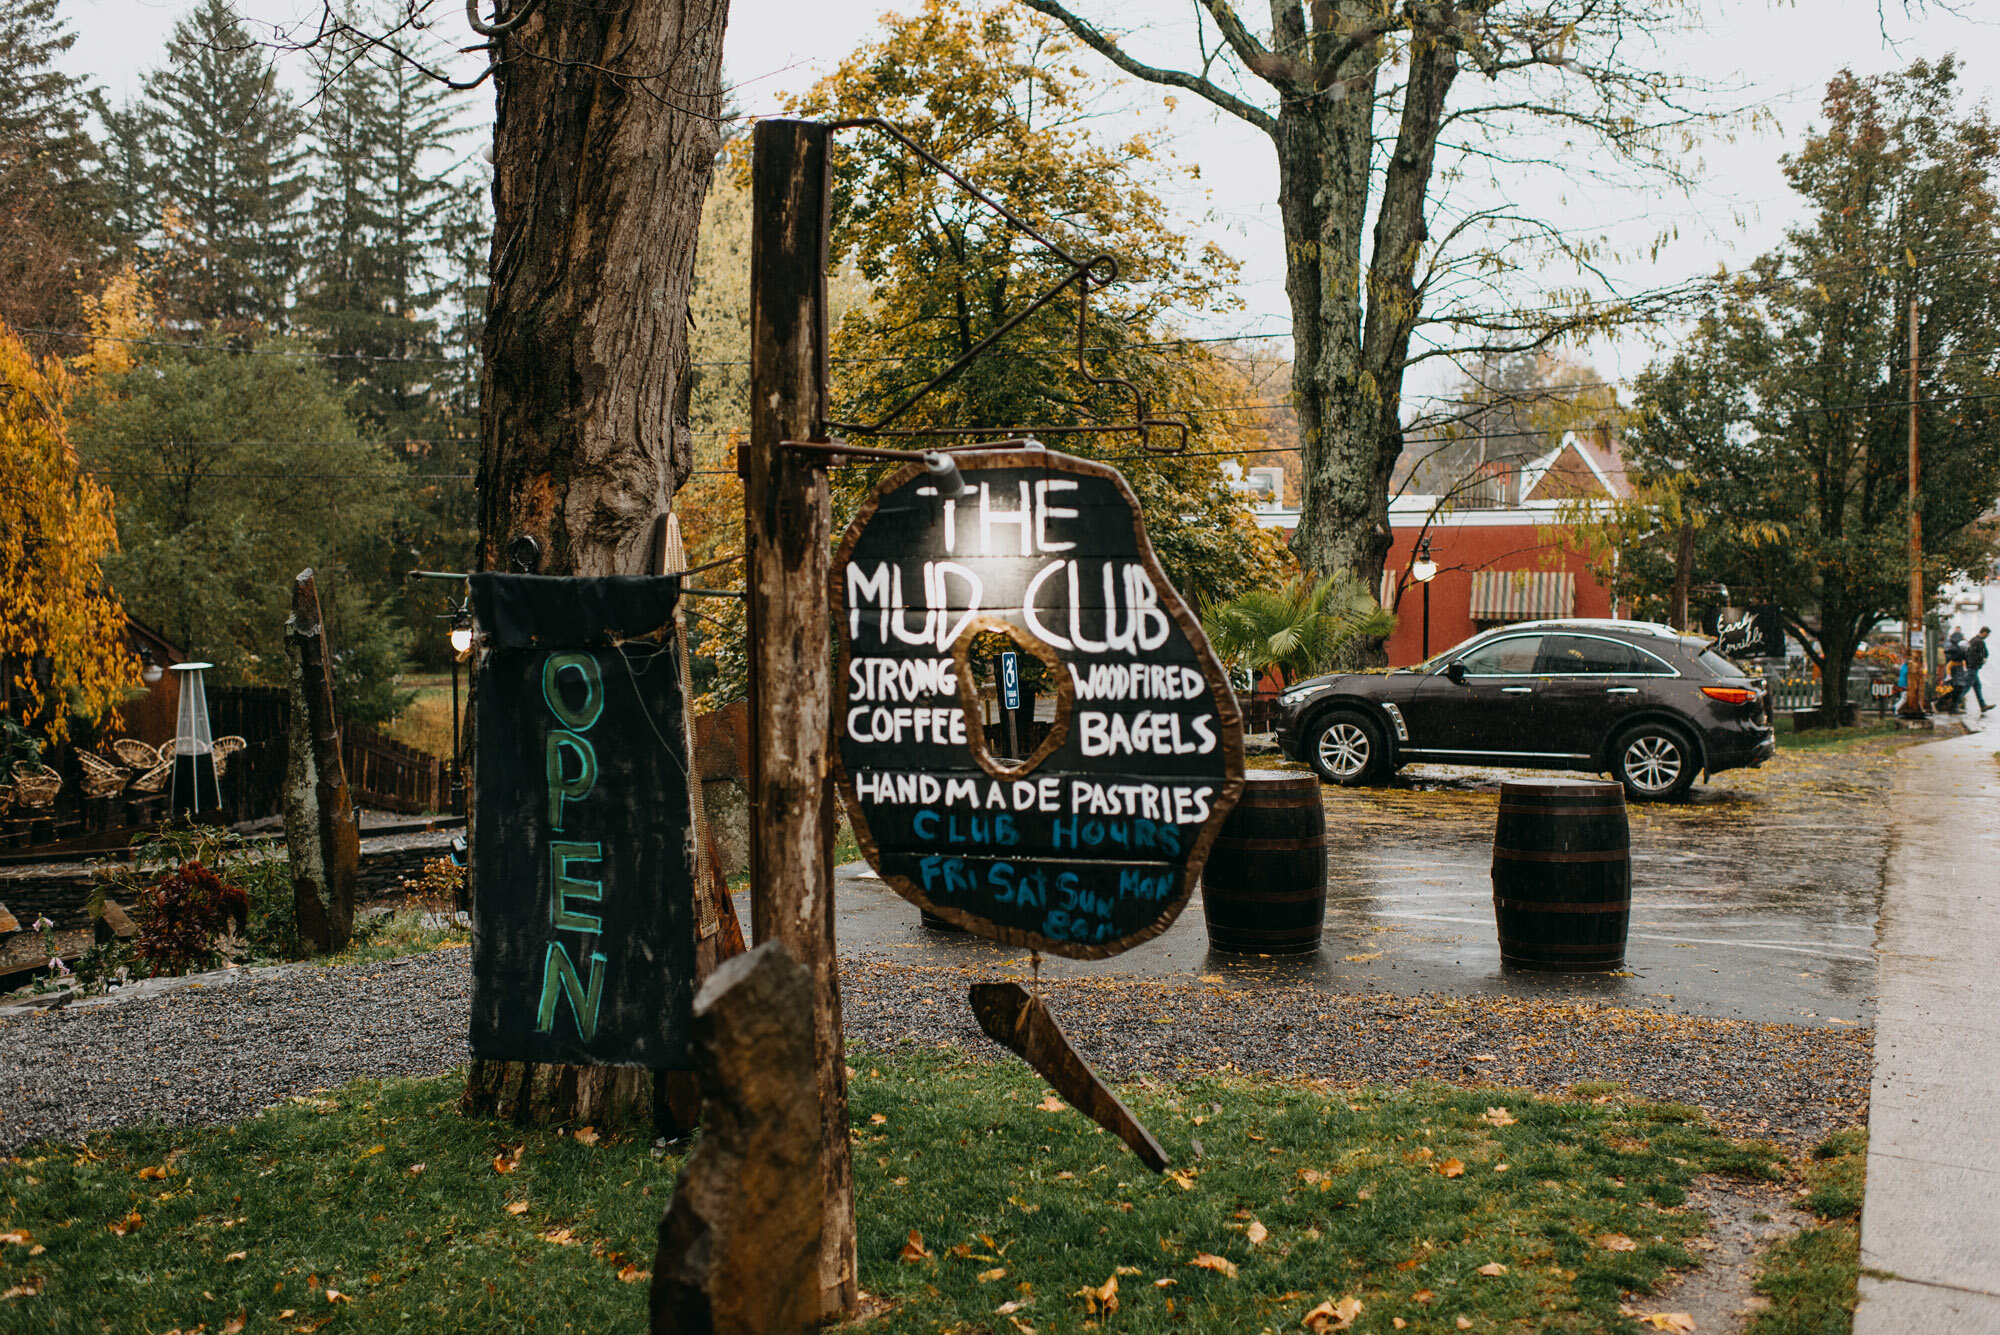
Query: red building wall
x=1465, y=542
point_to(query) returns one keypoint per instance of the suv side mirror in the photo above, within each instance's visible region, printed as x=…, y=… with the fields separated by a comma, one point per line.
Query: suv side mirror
x=1456, y=671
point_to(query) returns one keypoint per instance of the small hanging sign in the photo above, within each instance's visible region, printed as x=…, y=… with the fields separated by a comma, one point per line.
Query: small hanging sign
x=1092, y=843
x=582, y=857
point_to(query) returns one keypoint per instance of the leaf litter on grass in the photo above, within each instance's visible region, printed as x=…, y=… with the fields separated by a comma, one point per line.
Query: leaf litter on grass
x=992, y=1183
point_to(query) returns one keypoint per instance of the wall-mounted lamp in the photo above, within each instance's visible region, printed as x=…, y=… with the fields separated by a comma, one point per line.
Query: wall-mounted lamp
x=943, y=470
x=461, y=631
x=150, y=670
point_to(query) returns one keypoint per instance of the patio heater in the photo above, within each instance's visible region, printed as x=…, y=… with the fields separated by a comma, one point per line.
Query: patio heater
x=195, y=789
x=461, y=644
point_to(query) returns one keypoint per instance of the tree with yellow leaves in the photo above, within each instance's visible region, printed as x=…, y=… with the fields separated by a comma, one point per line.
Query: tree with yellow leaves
x=62, y=633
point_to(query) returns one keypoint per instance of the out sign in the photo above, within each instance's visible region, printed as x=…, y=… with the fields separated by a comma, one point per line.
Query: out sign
x=1093, y=842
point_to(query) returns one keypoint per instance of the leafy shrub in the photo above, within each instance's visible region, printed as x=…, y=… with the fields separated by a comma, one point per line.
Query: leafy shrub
x=265, y=916
x=18, y=750
x=183, y=916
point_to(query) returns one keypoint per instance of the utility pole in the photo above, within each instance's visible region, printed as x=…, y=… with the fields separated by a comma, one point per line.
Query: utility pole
x=787, y=520
x=1914, y=701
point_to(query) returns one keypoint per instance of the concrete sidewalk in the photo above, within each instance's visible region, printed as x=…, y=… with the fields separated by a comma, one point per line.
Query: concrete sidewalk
x=1931, y=1222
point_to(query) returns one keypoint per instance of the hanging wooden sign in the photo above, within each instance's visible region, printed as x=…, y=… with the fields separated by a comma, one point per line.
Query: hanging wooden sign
x=1092, y=843
x=582, y=857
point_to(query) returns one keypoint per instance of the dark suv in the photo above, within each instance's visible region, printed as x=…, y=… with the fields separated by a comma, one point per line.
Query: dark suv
x=1643, y=701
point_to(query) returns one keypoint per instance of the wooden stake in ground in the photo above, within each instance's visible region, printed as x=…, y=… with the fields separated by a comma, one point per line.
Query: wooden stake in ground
x=787, y=533
x=740, y=1242
x=320, y=833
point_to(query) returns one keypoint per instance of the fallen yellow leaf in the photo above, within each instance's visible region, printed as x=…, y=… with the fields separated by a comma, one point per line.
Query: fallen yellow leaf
x=502, y=1164
x=1185, y=1177
x=336, y=1296
x=562, y=1237
x=877, y=1119
x=1493, y=1268
x=1013, y=1305
x=1256, y=1232
x=1050, y=1103
x=1422, y=1297
x=20, y=1237
x=1497, y=1117
x=1452, y=1168
x=1332, y=1316
x=1127, y=1270
x=287, y=1314
x=1617, y=1242
x=632, y=1274
x=152, y=1172
x=1104, y=1295
x=1221, y=1265
x=1398, y=1322
x=29, y=1290
x=914, y=1250
x=236, y=1256
x=1678, y=1322
x=988, y=1276
x=127, y=1224
x=585, y=1135
x=1465, y=1323
x=1165, y=1283
x=415, y=1169
x=517, y=1207
x=233, y=1326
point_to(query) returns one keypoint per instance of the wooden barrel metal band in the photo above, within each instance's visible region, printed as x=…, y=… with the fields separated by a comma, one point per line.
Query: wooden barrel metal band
x=1510, y=946
x=1516, y=809
x=1550, y=906
x=1266, y=845
x=1599, y=855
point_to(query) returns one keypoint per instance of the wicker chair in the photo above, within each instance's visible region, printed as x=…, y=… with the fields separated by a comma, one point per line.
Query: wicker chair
x=166, y=751
x=226, y=747
x=101, y=778
x=36, y=787
x=135, y=754
x=155, y=779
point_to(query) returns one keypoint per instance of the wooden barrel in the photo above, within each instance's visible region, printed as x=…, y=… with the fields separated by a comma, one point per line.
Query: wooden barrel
x=1562, y=875
x=1263, y=889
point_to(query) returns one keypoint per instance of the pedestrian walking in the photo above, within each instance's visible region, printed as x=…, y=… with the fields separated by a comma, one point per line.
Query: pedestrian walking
x=1951, y=699
x=1975, y=659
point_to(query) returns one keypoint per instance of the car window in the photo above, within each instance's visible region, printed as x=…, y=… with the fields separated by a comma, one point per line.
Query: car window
x=1596, y=657
x=1719, y=665
x=1512, y=656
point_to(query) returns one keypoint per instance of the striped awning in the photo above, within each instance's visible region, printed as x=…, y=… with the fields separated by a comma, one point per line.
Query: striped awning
x=1522, y=595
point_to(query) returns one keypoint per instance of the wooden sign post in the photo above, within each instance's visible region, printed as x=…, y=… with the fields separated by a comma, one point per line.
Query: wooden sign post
x=788, y=528
x=1093, y=842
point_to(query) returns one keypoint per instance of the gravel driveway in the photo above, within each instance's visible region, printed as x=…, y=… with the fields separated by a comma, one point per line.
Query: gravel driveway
x=220, y=1052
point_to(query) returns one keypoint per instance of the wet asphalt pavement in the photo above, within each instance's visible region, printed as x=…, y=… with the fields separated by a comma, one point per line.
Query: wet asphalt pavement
x=1756, y=901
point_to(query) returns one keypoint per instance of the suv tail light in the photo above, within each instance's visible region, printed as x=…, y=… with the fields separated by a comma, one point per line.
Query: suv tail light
x=1730, y=695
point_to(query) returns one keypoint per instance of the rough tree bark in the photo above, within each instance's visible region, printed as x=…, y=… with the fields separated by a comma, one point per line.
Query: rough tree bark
x=605, y=136
x=320, y=835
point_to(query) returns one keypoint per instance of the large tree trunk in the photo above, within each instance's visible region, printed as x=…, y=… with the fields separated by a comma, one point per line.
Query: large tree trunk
x=1352, y=335
x=598, y=183
x=604, y=139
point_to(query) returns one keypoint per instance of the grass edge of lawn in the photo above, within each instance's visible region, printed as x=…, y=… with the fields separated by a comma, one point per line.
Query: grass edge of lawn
x=1811, y=1279
x=1352, y=1209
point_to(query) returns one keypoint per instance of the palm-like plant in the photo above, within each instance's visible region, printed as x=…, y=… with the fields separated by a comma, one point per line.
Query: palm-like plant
x=1303, y=627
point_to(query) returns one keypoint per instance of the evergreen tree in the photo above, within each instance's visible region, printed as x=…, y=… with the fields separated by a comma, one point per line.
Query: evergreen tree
x=228, y=159
x=51, y=214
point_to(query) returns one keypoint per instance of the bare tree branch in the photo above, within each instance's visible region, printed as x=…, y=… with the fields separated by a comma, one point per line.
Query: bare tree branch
x=1097, y=41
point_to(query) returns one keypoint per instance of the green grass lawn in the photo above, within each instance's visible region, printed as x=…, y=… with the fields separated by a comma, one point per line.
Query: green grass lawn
x=1810, y=1277
x=984, y=1206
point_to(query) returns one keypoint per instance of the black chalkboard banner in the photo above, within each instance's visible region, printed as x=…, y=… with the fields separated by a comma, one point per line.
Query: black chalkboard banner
x=582, y=859
x=1092, y=843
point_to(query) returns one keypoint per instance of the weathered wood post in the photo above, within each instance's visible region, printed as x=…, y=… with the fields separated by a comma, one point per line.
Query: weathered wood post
x=320, y=834
x=788, y=531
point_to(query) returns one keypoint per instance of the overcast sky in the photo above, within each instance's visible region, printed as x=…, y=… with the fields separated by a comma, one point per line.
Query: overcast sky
x=1777, y=53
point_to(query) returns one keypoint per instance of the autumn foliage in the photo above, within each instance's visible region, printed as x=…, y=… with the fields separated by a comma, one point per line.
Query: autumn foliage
x=183, y=914
x=55, y=526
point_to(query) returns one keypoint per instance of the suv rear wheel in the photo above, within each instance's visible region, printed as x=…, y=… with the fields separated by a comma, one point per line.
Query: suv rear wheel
x=1655, y=762
x=1349, y=748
